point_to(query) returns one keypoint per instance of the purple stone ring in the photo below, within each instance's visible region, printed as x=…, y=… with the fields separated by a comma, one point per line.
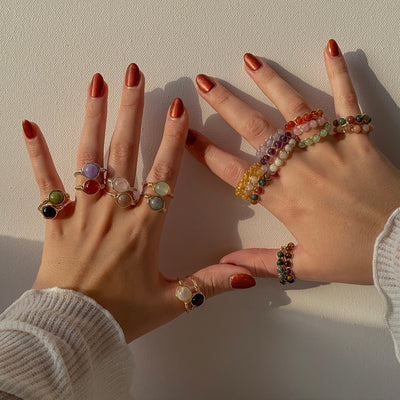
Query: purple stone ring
x=90, y=170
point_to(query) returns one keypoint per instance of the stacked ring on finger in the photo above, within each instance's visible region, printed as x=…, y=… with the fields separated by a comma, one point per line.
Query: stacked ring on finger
x=252, y=183
x=162, y=189
x=359, y=124
x=191, y=297
x=323, y=132
x=92, y=171
x=124, y=192
x=309, y=120
x=53, y=204
x=285, y=264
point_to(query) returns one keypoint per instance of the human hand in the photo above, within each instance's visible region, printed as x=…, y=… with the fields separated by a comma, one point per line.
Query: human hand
x=111, y=253
x=334, y=197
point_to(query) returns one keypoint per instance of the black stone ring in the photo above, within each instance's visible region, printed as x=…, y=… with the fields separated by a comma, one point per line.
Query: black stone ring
x=192, y=298
x=55, y=202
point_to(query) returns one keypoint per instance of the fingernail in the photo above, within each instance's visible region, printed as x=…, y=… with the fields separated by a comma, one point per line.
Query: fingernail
x=132, y=75
x=97, y=88
x=190, y=138
x=28, y=129
x=333, y=48
x=251, y=62
x=176, y=109
x=204, y=84
x=242, y=281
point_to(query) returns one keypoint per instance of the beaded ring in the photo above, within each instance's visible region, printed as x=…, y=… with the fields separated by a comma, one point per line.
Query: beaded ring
x=303, y=124
x=252, y=183
x=55, y=202
x=359, y=124
x=285, y=264
x=323, y=132
x=192, y=298
x=162, y=189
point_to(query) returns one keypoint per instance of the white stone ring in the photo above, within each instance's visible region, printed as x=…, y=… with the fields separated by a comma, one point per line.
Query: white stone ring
x=192, y=298
x=122, y=197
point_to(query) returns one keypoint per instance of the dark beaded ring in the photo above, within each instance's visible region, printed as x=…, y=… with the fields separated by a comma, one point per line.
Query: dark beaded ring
x=285, y=264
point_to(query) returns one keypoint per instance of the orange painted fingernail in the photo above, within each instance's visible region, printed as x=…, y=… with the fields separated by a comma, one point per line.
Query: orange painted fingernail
x=176, y=109
x=204, y=84
x=28, y=129
x=242, y=281
x=251, y=62
x=333, y=48
x=132, y=75
x=97, y=86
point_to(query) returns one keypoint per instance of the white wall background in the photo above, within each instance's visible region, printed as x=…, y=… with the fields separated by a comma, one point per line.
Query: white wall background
x=314, y=341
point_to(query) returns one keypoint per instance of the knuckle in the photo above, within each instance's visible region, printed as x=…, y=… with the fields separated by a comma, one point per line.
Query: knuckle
x=234, y=172
x=298, y=106
x=121, y=151
x=257, y=126
x=221, y=97
x=163, y=171
x=93, y=110
x=348, y=98
x=85, y=156
x=45, y=185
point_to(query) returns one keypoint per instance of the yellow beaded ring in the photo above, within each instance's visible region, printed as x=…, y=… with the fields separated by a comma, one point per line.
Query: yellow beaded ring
x=252, y=183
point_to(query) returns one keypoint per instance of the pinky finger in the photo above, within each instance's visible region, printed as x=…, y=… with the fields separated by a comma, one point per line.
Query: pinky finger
x=43, y=167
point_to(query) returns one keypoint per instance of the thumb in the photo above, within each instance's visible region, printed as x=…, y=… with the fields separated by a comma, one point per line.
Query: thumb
x=220, y=278
x=260, y=262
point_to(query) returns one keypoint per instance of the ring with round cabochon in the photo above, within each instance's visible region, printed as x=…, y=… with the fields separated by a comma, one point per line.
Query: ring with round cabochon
x=90, y=170
x=122, y=197
x=90, y=186
x=161, y=189
x=55, y=202
x=191, y=297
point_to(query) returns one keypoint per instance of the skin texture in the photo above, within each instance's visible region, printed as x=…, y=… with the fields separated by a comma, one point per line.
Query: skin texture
x=334, y=197
x=111, y=253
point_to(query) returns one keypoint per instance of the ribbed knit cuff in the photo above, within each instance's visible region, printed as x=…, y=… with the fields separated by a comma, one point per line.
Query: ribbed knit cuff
x=60, y=344
x=386, y=270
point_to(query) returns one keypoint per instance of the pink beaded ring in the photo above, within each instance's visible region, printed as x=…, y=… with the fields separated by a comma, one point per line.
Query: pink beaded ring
x=92, y=171
x=123, y=196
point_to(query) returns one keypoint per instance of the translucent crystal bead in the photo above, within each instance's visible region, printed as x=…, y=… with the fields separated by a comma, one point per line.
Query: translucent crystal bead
x=253, y=179
x=120, y=184
x=278, y=162
x=161, y=188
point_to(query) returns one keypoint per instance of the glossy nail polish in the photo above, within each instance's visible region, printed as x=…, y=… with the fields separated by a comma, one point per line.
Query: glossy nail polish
x=28, y=129
x=97, y=87
x=204, y=84
x=176, y=109
x=190, y=138
x=333, y=48
x=242, y=281
x=132, y=75
x=251, y=62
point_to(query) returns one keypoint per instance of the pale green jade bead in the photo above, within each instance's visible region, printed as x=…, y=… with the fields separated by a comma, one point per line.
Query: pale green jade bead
x=323, y=133
x=162, y=188
x=308, y=142
x=316, y=138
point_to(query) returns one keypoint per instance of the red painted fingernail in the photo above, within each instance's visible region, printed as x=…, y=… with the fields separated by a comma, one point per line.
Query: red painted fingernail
x=251, y=62
x=176, y=109
x=242, y=281
x=97, y=88
x=190, y=138
x=28, y=129
x=333, y=48
x=132, y=75
x=204, y=84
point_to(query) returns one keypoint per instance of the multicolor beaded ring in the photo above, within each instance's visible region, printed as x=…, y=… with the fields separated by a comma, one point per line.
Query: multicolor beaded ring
x=162, y=189
x=124, y=196
x=359, y=124
x=285, y=264
x=192, y=298
x=54, y=203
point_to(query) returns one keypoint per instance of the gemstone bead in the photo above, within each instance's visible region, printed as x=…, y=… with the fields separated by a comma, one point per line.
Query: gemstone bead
x=258, y=190
x=56, y=197
x=271, y=152
x=302, y=145
x=262, y=182
x=366, y=118
x=254, y=197
x=198, y=299
x=124, y=200
x=278, y=144
x=281, y=277
x=313, y=123
x=183, y=293
x=91, y=170
x=120, y=184
x=342, y=121
x=156, y=203
x=308, y=142
x=91, y=187
x=283, y=155
x=280, y=254
x=316, y=138
x=49, y=212
x=162, y=188
x=280, y=262
x=280, y=270
x=359, y=118
x=350, y=119
x=323, y=133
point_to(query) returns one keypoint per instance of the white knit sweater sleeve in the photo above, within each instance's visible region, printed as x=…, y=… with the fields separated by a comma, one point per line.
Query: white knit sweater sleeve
x=386, y=269
x=60, y=344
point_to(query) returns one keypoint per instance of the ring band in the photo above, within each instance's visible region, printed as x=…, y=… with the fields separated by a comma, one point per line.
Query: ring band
x=55, y=202
x=124, y=199
x=162, y=189
x=90, y=170
x=285, y=264
x=192, y=298
x=90, y=187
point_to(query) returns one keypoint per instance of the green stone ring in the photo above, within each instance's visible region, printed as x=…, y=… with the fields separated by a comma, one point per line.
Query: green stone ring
x=156, y=202
x=55, y=202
